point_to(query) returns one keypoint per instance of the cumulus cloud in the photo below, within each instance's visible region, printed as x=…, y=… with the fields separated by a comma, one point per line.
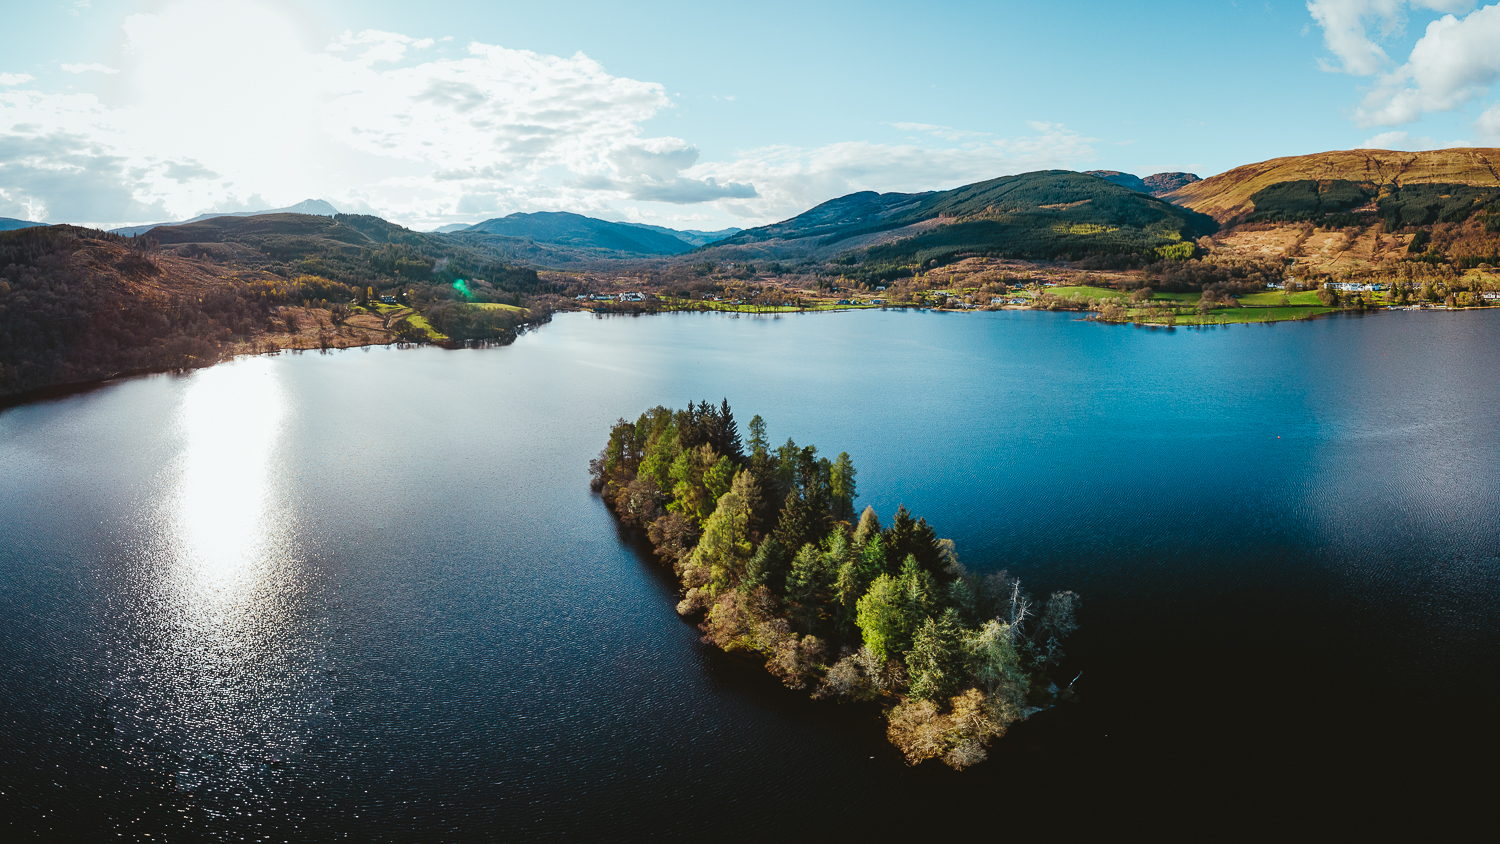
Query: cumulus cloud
x=15, y=78
x=1399, y=140
x=94, y=67
x=1347, y=28
x=792, y=179
x=1455, y=61
x=1488, y=125
x=222, y=108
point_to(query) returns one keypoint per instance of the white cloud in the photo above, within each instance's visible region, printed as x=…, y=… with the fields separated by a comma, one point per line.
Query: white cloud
x=1488, y=125
x=1455, y=61
x=1398, y=140
x=1347, y=25
x=221, y=108
x=15, y=78
x=791, y=179
x=89, y=68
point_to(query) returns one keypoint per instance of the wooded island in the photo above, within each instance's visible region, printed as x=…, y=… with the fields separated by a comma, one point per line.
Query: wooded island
x=774, y=563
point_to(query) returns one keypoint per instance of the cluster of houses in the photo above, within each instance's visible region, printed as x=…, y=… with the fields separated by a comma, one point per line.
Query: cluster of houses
x=610, y=297
x=1354, y=287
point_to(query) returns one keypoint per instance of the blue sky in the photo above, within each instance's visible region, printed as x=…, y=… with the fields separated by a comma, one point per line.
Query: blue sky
x=695, y=115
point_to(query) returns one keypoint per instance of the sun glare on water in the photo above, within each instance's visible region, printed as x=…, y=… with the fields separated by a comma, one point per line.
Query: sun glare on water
x=231, y=419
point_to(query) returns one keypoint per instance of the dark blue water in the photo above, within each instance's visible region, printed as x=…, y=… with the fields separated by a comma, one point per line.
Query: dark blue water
x=368, y=595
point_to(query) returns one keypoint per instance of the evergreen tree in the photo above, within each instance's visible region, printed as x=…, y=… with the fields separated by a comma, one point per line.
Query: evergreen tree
x=841, y=488
x=795, y=528
x=758, y=444
x=936, y=663
x=727, y=440
x=891, y=612
x=767, y=567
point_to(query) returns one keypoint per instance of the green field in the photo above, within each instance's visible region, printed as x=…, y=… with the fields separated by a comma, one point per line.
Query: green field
x=496, y=306
x=1273, y=298
x=1087, y=292
x=413, y=317
x=1229, y=316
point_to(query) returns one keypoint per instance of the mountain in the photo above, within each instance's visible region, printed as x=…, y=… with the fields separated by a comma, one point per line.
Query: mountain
x=1045, y=215
x=1229, y=195
x=1157, y=185
x=11, y=224
x=452, y=227
x=81, y=305
x=1162, y=184
x=315, y=207
x=693, y=236
x=578, y=231
x=1124, y=180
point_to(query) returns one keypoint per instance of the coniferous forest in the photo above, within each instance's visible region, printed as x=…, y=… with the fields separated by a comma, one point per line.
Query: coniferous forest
x=775, y=563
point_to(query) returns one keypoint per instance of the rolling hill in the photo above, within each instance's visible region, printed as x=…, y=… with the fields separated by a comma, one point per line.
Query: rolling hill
x=8, y=224
x=1159, y=184
x=79, y=305
x=1044, y=215
x=307, y=206
x=580, y=232
x=1230, y=195
x=693, y=236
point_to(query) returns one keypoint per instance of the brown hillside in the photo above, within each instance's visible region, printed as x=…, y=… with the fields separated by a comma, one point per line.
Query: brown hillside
x=1227, y=196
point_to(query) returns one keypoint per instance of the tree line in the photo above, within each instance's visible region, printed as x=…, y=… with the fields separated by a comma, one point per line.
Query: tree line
x=774, y=561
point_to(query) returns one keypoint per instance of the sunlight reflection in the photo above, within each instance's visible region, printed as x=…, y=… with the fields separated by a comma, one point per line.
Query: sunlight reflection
x=231, y=420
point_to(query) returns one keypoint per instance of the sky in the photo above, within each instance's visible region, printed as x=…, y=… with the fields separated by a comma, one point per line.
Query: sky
x=695, y=115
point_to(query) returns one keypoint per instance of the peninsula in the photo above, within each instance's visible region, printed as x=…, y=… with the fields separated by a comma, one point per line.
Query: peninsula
x=774, y=563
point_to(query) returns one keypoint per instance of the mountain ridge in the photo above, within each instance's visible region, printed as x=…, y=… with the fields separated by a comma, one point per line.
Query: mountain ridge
x=578, y=231
x=313, y=207
x=1157, y=184
x=9, y=224
x=1042, y=215
x=1227, y=196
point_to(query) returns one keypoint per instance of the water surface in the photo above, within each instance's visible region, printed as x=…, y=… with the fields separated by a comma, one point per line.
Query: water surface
x=368, y=594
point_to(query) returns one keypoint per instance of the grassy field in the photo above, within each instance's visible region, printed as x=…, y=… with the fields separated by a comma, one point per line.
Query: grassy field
x=1087, y=292
x=1226, y=316
x=496, y=306
x=1273, y=298
x=396, y=313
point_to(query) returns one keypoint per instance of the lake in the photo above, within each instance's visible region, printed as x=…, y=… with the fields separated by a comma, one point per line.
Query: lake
x=368, y=594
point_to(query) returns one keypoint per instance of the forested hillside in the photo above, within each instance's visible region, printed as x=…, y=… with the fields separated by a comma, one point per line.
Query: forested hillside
x=78, y=305
x=1230, y=195
x=774, y=562
x=582, y=232
x=1047, y=215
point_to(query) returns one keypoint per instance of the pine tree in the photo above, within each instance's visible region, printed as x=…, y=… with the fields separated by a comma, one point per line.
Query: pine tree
x=841, y=487
x=936, y=662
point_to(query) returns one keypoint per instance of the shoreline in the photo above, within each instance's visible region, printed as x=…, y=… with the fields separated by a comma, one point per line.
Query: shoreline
x=53, y=392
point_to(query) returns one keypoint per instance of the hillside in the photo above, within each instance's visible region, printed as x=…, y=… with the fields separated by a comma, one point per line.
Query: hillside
x=1229, y=196
x=1045, y=215
x=8, y=224
x=79, y=305
x=307, y=206
x=692, y=236
x=350, y=248
x=1158, y=184
x=578, y=231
